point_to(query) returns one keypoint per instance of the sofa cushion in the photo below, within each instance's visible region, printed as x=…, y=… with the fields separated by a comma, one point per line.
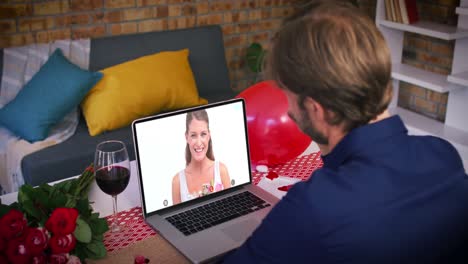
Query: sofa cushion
x=55, y=90
x=138, y=88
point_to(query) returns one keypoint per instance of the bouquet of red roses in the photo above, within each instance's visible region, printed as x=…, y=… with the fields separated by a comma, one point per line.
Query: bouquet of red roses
x=52, y=224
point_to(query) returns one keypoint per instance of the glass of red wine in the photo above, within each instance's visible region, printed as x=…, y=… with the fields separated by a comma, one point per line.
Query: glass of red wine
x=112, y=171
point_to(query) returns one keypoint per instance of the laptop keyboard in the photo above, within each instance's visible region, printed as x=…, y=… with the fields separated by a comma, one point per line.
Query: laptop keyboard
x=215, y=213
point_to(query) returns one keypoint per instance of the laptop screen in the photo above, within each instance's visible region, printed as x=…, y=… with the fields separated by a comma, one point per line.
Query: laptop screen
x=191, y=153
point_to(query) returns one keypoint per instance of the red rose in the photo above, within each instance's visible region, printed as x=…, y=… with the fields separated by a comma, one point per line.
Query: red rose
x=3, y=258
x=17, y=252
x=39, y=259
x=36, y=240
x=62, y=244
x=58, y=258
x=62, y=221
x=23, y=234
x=12, y=224
x=3, y=245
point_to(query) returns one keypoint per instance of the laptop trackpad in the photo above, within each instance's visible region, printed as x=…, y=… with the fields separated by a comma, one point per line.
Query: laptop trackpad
x=240, y=231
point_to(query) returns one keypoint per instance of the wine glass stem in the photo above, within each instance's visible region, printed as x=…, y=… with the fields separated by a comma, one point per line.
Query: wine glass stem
x=115, y=225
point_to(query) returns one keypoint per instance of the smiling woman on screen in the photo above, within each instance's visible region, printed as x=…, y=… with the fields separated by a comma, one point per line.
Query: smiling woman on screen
x=202, y=174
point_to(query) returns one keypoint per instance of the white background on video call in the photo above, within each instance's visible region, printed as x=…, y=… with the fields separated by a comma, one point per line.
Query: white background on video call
x=161, y=144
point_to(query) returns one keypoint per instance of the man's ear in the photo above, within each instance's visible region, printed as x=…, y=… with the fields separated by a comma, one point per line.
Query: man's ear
x=314, y=108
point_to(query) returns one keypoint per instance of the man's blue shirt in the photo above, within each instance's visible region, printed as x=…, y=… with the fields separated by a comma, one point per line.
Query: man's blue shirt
x=382, y=196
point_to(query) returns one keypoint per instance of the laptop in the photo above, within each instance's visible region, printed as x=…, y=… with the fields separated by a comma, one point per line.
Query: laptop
x=203, y=213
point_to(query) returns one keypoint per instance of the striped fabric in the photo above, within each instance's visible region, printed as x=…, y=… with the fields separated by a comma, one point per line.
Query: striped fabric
x=19, y=66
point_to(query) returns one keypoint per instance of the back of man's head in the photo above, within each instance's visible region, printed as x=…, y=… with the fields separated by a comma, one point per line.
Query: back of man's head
x=334, y=53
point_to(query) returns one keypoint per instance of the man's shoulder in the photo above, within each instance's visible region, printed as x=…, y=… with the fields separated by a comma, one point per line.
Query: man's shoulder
x=321, y=192
x=435, y=151
x=428, y=143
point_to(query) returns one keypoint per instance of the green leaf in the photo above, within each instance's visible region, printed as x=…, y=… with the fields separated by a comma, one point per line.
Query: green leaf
x=25, y=193
x=80, y=251
x=64, y=186
x=45, y=188
x=99, y=226
x=71, y=201
x=53, y=193
x=96, y=249
x=99, y=237
x=58, y=199
x=82, y=231
x=83, y=207
x=30, y=210
x=4, y=209
x=94, y=216
x=41, y=197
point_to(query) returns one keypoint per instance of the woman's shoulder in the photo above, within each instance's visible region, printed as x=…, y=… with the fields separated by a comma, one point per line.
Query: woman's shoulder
x=222, y=166
x=175, y=178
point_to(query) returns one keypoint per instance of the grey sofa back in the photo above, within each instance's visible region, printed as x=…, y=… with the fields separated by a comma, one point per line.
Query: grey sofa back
x=206, y=47
x=208, y=63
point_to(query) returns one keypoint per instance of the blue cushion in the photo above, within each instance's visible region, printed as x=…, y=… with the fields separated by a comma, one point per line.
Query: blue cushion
x=57, y=88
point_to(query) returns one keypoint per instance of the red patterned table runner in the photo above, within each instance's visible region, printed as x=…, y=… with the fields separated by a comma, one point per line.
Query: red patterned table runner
x=135, y=229
x=301, y=167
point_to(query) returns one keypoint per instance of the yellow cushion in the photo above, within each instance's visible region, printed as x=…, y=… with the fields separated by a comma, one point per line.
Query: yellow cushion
x=141, y=87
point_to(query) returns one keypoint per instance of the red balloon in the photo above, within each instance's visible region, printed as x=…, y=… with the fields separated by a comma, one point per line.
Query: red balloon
x=274, y=137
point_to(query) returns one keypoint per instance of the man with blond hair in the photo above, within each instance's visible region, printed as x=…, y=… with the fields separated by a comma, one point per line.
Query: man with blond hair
x=382, y=196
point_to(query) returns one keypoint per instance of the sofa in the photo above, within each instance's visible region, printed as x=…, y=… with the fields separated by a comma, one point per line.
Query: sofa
x=208, y=63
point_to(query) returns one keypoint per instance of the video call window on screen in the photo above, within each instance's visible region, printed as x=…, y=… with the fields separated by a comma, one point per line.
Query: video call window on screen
x=188, y=155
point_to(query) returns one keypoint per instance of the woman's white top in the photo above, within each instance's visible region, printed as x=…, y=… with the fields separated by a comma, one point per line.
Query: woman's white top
x=184, y=192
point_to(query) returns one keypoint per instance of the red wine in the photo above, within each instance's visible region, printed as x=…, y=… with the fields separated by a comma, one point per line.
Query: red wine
x=113, y=179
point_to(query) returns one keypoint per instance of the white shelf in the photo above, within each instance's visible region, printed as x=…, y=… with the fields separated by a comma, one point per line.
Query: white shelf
x=430, y=29
x=459, y=78
x=433, y=81
x=462, y=10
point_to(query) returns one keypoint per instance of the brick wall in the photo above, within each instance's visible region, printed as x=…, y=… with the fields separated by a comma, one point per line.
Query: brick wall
x=243, y=22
